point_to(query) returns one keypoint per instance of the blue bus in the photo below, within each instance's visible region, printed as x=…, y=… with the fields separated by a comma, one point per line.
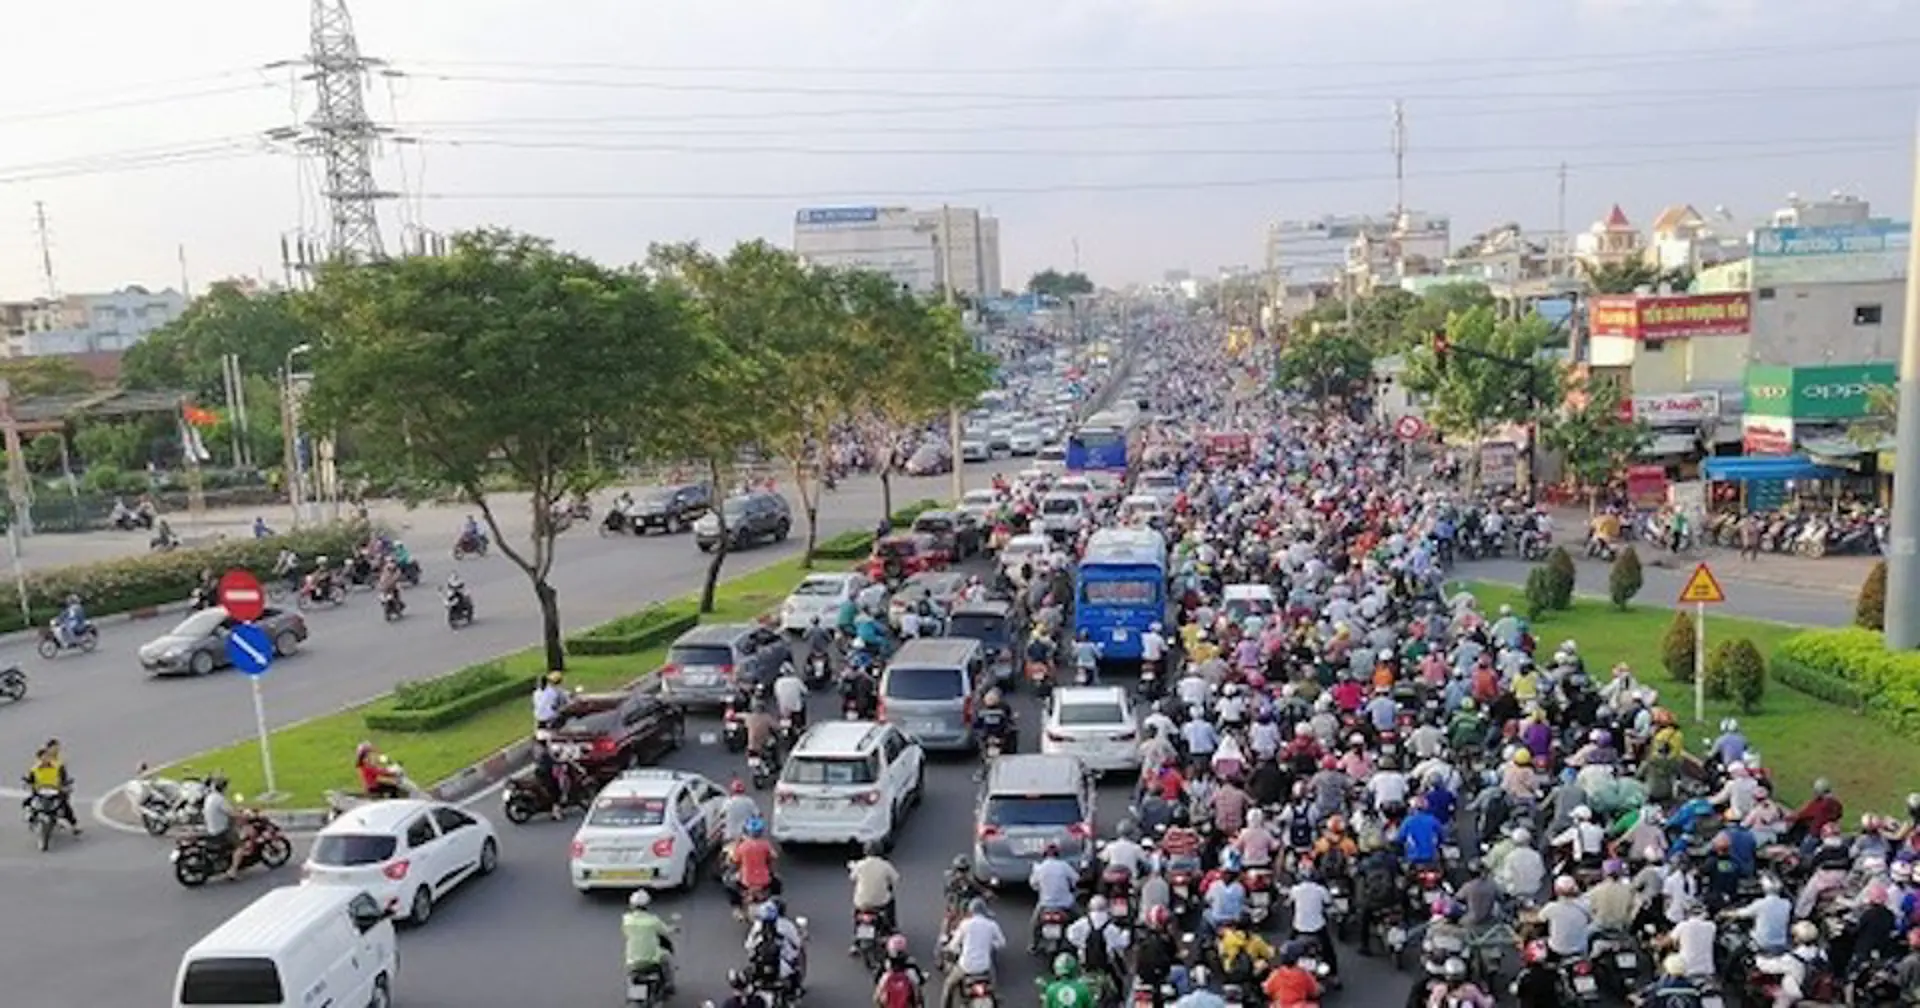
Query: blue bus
x=1120, y=589
x=1103, y=443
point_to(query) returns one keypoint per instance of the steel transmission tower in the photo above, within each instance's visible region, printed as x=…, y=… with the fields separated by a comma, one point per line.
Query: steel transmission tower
x=343, y=136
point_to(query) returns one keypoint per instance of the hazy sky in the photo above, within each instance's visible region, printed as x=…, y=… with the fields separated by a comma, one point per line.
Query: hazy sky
x=1156, y=133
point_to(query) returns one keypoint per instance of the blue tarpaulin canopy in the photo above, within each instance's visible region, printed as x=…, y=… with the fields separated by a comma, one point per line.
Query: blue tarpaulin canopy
x=1769, y=467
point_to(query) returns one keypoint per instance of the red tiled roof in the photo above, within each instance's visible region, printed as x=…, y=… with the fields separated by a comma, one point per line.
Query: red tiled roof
x=1617, y=220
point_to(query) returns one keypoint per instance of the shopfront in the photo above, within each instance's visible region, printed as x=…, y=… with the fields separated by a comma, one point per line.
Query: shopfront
x=1680, y=428
x=1805, y=426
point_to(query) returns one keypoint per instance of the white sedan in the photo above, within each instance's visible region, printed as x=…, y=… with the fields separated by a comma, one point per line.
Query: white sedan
x=819, y=596
x=648, y=828
x=1094, y=723
x=406, y=853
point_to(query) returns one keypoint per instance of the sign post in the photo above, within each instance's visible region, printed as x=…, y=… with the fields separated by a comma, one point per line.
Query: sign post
x=1701, y=590
x=1409, y=429
x=252, y=653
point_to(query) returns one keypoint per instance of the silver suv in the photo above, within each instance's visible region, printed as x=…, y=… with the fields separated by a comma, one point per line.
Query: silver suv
x=1030, y=801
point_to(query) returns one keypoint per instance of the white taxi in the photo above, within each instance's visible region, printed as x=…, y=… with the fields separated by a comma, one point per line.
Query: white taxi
x=406, y=853
x=1095, y=724
x=647, y=829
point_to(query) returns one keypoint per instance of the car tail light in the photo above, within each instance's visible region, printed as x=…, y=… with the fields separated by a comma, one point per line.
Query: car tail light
x=1079, y=831
x=1582, y=968
x=867, y=798
x=396, y=870
x=605, y=747
x=785, y=797
x=577, y=851
x=726, y=671
x=1054, y=736
x=966, y=710
x=663, y=847
x=989, y=832
x=670, y=671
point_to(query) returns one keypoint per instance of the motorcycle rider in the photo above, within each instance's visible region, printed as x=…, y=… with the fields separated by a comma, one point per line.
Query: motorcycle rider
x=1569, y=924
x=1771, y=915
x=972, y=944
x=1693, y=941
x=549, y=701
x=1445, y=939
x=1612, y=901
x=1798, y=967
x=1310, y=901
x=753, y=859
x=790, y=698
x=876, y=887
x=1053, y=882
x=901, y=979
x=471, y=538
x=995, y=719
x=738, y=810
x=387, y=585
x=217, y=814
x=1290, y=986
x=73, y=620
x=1101, y=943
x=649, y=940
x=775, y=946
x=741, y=993
x=376, y=779
x=1068, y=988
x=1156, y=949
x=49, y=773
x=456, y=595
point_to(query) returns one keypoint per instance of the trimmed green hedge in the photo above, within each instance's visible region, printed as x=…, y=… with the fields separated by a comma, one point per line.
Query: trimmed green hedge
x=905, y=515
x=440, y=691
x=386, y=714
x=1855, y=664
x=632, y=634
x=845, y=546
x=117, y=586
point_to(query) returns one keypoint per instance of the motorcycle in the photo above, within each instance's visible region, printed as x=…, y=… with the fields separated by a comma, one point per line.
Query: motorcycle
x=733, y=729
x=1259, y=882
x=978, y=992
x=761, y=769
x=527, y=794
x=459, y=610
x=470, y=547
x=1052, y=937
x=201, y=599
x=392, y=606
x=84, y=640
x=1040, y=677
x=165, y=804
x=1180, y=883
x=130, y=521
x=1620, y=965
x=1578, y=984
x=43, y=814
x=870, y=929
x=317, y=593
x=339, y=803
x=789, y=731
x=819, y=670
x=1116, y=884
x=198, y=858
x=13, y=683
x=646, y=987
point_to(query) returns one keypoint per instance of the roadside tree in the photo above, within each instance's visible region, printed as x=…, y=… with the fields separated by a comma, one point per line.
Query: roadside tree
x=505, y=355
x=184, y=355
x=1596, y=441
x=1325, y=364
x=1470, y=395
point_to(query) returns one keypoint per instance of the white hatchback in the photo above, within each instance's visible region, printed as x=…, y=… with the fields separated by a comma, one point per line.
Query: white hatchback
x=1094, y=723
x=647, y=829
x=819, y=597
x=406, y=853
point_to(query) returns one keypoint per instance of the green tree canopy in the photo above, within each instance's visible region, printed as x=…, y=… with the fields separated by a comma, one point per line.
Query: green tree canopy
x=1472, y=394
x=260, y=326
x=30, y=377
x=1628, y=277
x=1325, y=363
x=1595, y=439
x=503, y=354
x=1053, y=283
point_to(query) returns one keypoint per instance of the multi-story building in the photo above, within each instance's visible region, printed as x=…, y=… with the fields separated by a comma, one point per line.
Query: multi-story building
x=924, y=250
x=1683, y=239
x=1611, y=241
x=87, y=323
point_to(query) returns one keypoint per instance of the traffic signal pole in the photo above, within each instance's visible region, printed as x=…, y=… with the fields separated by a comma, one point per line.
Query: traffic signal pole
x=1443, y=348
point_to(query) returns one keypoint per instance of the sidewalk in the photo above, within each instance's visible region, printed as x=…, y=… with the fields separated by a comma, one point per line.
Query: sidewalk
x=1839, y=574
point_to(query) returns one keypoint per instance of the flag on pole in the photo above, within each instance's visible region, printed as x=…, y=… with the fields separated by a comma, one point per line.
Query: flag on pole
x=199, y=417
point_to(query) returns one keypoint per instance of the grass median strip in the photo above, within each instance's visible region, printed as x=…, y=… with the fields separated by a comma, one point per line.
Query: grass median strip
x=316, y=755
x=1799, y=737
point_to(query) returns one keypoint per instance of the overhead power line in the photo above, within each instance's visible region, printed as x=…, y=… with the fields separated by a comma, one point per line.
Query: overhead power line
x=959, y=191
x=136, y=101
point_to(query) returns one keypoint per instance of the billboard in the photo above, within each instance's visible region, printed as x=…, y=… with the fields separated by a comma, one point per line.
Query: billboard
x=838, y=215
x=1827, y=392
x=1843, y=253
x=1669, y=316
x=1678, y=409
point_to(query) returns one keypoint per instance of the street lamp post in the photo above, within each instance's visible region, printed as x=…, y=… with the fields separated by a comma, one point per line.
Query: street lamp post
x=290, y=436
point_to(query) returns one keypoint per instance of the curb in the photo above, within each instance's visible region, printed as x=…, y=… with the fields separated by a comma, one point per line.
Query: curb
x=128, y=616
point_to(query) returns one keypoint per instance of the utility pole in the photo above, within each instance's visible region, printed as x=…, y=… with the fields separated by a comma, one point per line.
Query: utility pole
x=953, y=411
x=1398, y=248
x=1903, y=553
x=1560, y=204
x=342, y=135
x=46, y=249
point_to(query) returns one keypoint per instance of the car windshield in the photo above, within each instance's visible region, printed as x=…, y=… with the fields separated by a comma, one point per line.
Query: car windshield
x=628, y=812
x=980, y=498
x=819, y=588
x=684, y=656
x=1081, y=713
x=983, y=628
x=736, y=508
x=895, y=548
x=1032, y=810
x=833, y=771
x=933, y=525
x=199, y=624
x=658, y=498
x=352, y=850
x=592, y=721
x=1060, y=505
x=924, y=684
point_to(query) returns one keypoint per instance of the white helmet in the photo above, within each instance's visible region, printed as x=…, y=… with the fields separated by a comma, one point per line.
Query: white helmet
x=1582, y=814
x=640, y=899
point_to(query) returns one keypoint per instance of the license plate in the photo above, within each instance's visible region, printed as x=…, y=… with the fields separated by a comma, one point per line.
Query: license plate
x=1342, y=904
x=1712, y=1001
x=863, y=932
x=174, y=857
x=1584, y=985
x=1031, y=845
x=567, y=751
x=1260, y=899
x=1626, y=960
x=1396, y=937
x=1451, y=852
x=1389, y=749
x=698, y=678
x=1119, y=635
x=638, y=992
x=625, y=875
x=923, y=727
x=1050, y=932
x=1180, y=892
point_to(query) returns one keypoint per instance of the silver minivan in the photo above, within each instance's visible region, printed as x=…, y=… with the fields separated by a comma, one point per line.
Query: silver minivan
x=1031, y=800
x=929, y=689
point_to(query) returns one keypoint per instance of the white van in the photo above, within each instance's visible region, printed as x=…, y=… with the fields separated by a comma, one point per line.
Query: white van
x=304, y=945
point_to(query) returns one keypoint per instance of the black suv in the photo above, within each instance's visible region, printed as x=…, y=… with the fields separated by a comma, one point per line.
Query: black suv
x=751, y=518
x=672, y=508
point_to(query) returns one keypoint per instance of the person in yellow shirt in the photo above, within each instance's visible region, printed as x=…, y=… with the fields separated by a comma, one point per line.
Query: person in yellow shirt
x=1189, y=635
x=1203, y=649
x=1243, y=954
x=1526, y=689
x=49, y=774
x=1668, y=743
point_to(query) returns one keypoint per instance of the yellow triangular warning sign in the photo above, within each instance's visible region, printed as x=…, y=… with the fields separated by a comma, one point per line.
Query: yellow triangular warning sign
x=1702, y=587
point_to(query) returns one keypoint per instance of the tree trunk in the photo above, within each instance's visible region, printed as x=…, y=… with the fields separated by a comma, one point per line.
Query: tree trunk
x=886, y=489
x=719, y=511
x=809, y=490
x=550, y=624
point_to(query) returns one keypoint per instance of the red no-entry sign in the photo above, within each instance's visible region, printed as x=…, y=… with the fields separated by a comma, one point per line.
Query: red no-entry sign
x=241, y=596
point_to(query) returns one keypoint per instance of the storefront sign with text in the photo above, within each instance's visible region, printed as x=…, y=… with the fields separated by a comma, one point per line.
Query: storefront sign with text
x=1669, y=316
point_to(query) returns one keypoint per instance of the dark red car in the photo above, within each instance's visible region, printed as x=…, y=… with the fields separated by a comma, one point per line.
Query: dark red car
x=902, y=556
x=609, y=732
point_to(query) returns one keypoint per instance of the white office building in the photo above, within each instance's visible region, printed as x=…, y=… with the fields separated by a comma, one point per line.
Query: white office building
x=87, y=323
x=922, y=249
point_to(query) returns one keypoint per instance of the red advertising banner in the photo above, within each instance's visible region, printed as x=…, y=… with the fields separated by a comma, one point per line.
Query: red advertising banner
x=1647, y=485
x=1669, y=316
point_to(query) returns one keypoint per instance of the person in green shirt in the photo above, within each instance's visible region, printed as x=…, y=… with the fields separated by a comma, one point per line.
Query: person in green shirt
x=1069, y=989
x=649, y=940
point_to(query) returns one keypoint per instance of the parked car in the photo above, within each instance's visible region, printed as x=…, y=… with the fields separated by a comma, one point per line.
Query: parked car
x=751, y=518
x=903, y=555
x=673, y=508
x=609, y=732
x=648, y=829
x=406, y=853
x=954, y=533
x=197, y=645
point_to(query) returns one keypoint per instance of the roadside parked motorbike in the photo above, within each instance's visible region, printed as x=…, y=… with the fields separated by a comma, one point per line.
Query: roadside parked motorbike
x=83, y=640
x=164, y=804
x=197, y=857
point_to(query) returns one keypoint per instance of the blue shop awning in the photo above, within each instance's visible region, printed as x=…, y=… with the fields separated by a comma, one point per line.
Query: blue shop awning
x=1769, y=467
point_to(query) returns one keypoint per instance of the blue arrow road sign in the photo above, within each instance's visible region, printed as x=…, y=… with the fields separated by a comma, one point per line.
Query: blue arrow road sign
x=250, y=649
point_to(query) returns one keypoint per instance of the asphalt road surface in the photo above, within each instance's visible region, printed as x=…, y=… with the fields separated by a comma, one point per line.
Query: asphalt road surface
x=108, y=924
x=1811, y=606
x=111, y=715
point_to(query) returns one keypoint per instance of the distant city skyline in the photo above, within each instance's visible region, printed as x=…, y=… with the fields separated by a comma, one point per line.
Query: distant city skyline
x=1136, y=136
